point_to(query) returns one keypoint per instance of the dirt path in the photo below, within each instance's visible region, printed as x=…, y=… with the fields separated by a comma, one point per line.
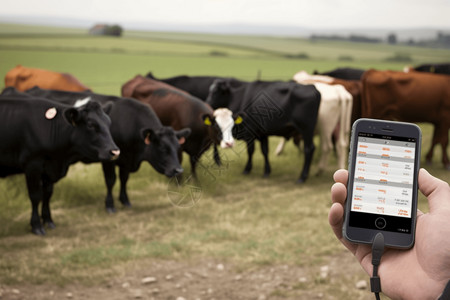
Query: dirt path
x=211, y=279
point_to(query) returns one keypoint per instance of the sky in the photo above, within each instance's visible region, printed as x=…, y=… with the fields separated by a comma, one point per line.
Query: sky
x=385, y=14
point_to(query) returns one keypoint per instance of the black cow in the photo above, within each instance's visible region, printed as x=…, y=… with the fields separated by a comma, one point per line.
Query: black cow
x=41, y=138
x=138, y=132
x=443, y=68
x=197, y=86
x=344, y=73
x=270, y=108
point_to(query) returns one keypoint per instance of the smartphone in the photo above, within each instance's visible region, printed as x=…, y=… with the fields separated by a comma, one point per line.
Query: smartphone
x=382, y=185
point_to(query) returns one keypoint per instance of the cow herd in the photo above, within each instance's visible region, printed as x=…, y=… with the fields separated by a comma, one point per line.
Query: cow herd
x=49, y=121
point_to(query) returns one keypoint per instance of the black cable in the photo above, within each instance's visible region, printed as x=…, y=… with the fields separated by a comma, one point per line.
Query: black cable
x=377, y=252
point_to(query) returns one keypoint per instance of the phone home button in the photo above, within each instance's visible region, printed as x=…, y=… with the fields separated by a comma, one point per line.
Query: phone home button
x=380, y=223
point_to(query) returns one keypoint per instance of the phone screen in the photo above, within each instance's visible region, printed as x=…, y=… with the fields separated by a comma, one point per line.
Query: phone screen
x=382, y=193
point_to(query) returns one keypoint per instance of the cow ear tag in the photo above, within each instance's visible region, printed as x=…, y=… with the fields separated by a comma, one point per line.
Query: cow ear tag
x=50, y=113
x=207, y=121
x=238, y=120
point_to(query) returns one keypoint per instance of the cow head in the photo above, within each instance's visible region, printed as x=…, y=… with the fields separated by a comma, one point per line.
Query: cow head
x=161, y=149
x=91, y=136
x=219, y=93
x=221, y=126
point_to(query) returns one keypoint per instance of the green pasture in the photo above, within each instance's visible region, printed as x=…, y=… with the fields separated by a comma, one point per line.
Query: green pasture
x=248, y=221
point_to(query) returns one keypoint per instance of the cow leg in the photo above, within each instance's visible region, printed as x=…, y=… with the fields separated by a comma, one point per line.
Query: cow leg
x=217, y=159
x=265, y=151
x=179, y=177
x=429, y=156
x=34, y=185
x=326, y=145
x=124, y=174
x=194, y=160
x=47, y=194
x=308, y=151
x=443, y=138
x=109, y=172
x=250, y=150
x=280, y=146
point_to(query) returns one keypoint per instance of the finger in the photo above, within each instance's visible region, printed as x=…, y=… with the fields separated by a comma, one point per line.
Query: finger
x=336, y=218
x=341, y=176
x=437, y=191
x=419, y=213
x=338, y=193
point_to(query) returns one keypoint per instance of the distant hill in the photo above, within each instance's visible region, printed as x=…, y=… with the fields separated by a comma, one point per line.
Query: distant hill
x=233, y=28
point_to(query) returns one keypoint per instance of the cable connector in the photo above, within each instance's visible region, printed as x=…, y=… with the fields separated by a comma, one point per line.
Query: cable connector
x=377, y=252
x=377, y=249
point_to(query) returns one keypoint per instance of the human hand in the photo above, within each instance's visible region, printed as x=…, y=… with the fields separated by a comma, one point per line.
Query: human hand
x=420, y=272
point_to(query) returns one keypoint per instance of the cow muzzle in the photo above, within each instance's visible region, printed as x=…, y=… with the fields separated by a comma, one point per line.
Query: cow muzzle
x=227, y=144
x=115, y=154
x=175, y=172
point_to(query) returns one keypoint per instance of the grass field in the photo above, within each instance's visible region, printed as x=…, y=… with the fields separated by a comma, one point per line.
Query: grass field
x=247, y=222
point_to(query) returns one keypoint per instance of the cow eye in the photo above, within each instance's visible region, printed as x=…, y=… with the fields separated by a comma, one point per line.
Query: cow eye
x=92, y=126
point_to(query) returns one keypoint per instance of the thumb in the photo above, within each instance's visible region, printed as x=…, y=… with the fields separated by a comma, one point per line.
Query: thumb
x=437, y=191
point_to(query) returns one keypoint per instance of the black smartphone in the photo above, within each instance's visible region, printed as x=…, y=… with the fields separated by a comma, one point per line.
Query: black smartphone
x=382, y=185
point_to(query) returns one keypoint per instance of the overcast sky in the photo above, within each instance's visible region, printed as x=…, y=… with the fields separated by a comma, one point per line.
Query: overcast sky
x=305, y=13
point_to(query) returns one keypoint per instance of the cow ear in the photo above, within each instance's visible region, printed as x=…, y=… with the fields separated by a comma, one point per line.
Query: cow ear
x=207, y=119
x=148, y=135
x=108, y=107
x=25, y=74
x=182, y=135
x=72, y=116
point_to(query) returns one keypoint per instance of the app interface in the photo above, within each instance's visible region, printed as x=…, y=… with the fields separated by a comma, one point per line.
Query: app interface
x=384, y=174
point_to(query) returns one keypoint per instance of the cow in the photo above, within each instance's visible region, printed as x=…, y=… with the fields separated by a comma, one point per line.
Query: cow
x=139, y=134
x=180, y=110
x=440, y=68
x=410, y=97
x=197, y=86
x=42, y=138
x=334, y=112
x=23, y=78
x=270, y=108
x=344, y=73
x=354, y=87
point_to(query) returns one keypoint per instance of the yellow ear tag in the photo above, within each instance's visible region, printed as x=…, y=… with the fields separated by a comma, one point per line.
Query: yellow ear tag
x=238, y=120
x=207, y=121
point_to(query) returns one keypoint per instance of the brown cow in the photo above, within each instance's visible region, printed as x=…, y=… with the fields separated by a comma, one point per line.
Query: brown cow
x=410, y=97
x=23, y=78
x=181, y=110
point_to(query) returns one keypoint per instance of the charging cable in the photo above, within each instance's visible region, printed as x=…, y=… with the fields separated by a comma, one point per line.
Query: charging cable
x=377, y=252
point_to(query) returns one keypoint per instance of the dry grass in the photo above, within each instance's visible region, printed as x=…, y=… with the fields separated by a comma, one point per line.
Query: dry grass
x=247, y=220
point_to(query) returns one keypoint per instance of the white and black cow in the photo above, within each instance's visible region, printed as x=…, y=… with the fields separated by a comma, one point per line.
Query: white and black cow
x=137, y=131
x=41, y=138
x=270, y=108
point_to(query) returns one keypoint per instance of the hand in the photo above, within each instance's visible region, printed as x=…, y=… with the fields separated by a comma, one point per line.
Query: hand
x=420, y=272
